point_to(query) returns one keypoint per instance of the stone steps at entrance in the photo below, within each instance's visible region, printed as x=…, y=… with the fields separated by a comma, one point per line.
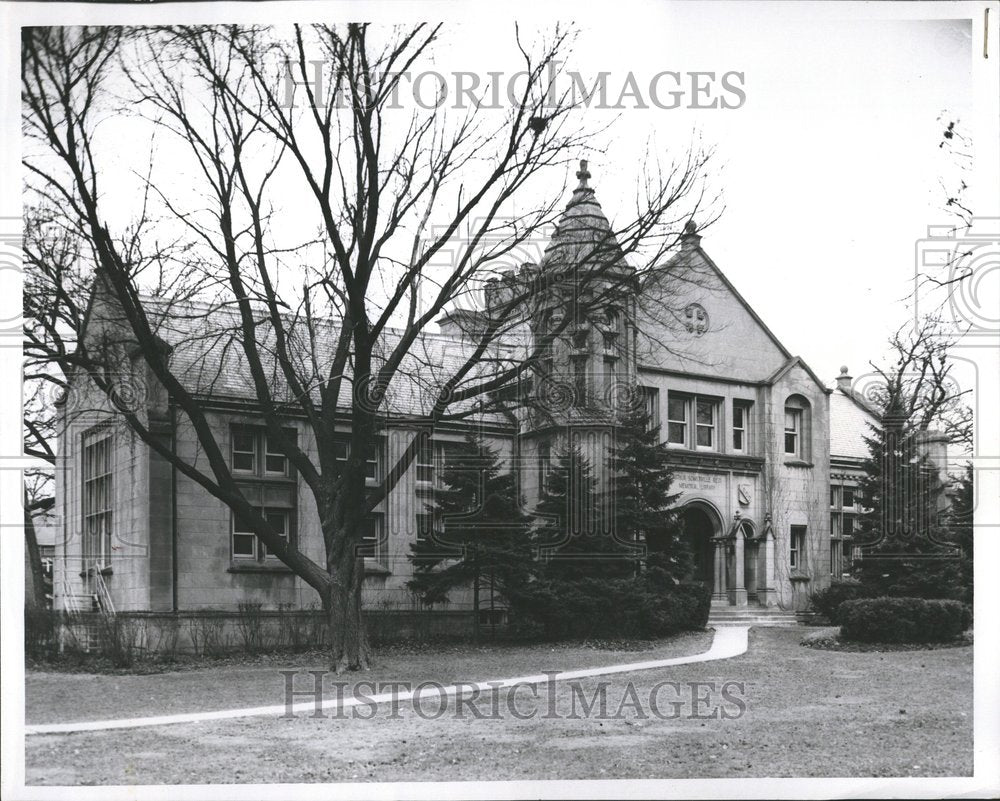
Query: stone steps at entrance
x=751, y=616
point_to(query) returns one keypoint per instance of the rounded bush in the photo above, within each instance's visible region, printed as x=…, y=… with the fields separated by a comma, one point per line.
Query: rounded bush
x=828, y=600
x=639, y=607
x=892, y=620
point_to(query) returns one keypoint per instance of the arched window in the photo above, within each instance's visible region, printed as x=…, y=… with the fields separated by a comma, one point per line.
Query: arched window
x=797, y=428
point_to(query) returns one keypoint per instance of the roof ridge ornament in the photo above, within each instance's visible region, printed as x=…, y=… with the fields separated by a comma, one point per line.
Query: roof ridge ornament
x=583, y=174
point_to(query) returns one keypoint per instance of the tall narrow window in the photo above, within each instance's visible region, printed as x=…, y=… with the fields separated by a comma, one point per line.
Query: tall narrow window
x=610, y=378
x=373, y=540
x=705, y=424
x=651, y=402
x=544, y=461
x=677, y=417
x=580, y=381
x=797, y=547
x=244, y=450
x=741, y=414
x=425, y=459
x=275, y=462
x=793, y=431
x=836, y=558
x=97, y=495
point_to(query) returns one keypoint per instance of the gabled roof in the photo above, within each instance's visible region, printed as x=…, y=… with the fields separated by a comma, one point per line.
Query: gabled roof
x=691, y=242
x=794, y=361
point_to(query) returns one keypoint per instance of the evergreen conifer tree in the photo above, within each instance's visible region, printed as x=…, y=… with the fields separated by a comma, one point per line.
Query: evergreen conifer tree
x=480, y=533
x=573, y=528
x=640, y=499
x=906, y=545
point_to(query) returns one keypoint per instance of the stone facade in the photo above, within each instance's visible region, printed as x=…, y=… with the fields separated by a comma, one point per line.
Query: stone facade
x=748, y=423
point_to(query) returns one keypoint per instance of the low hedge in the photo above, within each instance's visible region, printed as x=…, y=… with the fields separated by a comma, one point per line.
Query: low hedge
x=828, y=600
x=640, y=607
x=893, y=620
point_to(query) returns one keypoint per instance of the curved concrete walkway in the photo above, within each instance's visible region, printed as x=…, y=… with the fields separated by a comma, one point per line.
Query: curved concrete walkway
x=728, y=642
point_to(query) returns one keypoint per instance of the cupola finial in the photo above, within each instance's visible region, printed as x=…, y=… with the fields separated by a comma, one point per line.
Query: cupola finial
x=583, y=174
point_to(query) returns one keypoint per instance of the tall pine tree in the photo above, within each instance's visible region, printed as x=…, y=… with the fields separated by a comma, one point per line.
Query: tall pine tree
x=906, y=545
x=480, y=532
x=640, y=497
x=573, y=527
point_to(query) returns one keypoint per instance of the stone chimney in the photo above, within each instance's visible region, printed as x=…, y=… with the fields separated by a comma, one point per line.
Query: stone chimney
x=690, y=239
x=844, y=380
x=933, y=445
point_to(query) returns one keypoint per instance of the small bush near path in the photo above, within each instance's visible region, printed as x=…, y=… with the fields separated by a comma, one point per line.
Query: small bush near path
x=643, y=607
x=828, y=639
x=828, y=600
x=903, y=620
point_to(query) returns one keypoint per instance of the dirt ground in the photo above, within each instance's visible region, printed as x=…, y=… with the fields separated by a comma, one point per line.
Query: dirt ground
x=779, y=710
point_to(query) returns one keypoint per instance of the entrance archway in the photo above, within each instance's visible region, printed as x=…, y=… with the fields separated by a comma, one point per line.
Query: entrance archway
x=700, y=527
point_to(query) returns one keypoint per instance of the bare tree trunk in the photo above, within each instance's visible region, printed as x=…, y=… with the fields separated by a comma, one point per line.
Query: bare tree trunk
x=349, y=648
x=37, y=595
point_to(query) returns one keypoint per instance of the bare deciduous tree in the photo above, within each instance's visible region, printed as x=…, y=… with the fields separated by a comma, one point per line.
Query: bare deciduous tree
x=254, y=158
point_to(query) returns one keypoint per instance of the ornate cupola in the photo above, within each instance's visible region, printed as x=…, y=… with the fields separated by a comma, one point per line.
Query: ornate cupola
x=587, y=278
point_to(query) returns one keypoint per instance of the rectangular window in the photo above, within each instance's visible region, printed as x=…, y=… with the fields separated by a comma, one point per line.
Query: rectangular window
x=677, y=417
x=834, y=497
x=275, y=462
x=610, y=378
x=741, y=414
x=581, y=339
x=268, y=484
x=279, y=522
x=797, y=545
x=244, y=540
x=244, y=450
x=651, y=401
x=97, y=495
x=849, y=527
x=836, y=557
x=247, y=546
x=425, y=527
x=610, y=339
x=793, y=429
x=835, y=525
x=425, y=459
x=849, y=498
x=544, y=461
x=705, y=424
x=255, y=452
x=342, y=449
x=373, y=539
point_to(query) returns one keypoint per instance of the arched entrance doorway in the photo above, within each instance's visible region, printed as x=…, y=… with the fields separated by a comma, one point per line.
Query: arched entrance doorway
x=700, y=527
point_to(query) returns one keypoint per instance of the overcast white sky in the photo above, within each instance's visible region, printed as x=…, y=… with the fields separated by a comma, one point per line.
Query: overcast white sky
x=829, y=172
x=830, y=169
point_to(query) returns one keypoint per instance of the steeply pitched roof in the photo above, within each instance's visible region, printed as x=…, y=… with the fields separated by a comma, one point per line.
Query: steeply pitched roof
x=850, y=422
x=583, y=234
x=208, y=357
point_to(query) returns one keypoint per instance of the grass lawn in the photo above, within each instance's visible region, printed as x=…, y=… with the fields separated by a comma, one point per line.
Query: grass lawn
x=808, y=713
x=57, y=696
